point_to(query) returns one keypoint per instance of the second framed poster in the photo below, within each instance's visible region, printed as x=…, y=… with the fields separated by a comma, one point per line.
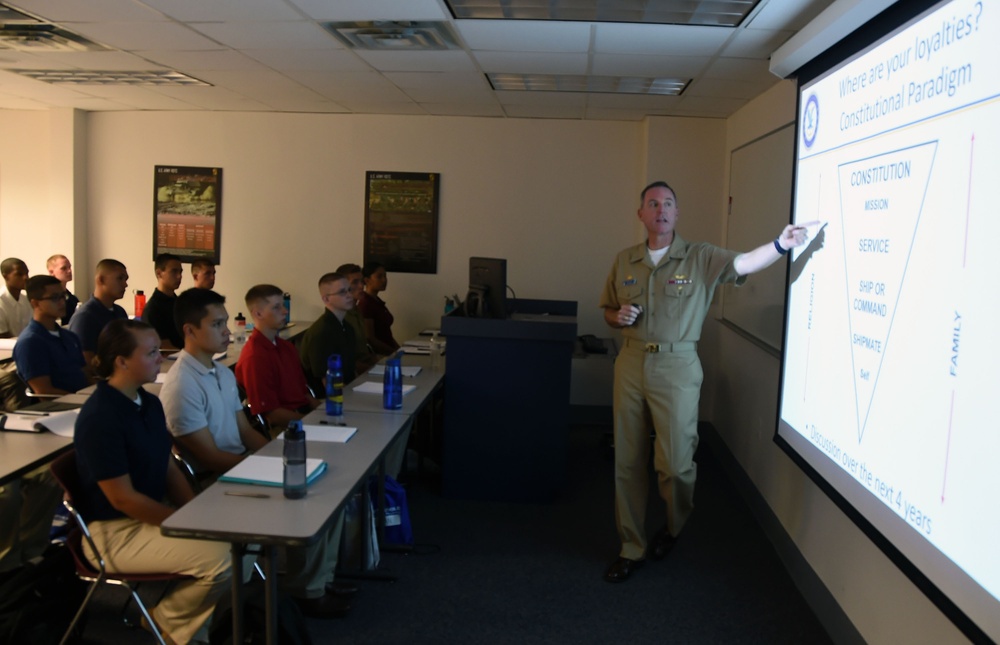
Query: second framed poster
x=401, y=220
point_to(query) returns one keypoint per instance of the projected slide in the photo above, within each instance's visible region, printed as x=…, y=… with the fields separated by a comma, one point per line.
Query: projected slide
x=891, y=381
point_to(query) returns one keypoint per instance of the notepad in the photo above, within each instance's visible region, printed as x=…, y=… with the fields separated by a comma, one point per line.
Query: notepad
x=60, y=423
x=408, y=370
x=328, y=433
x=410, y=349
x=269, y=471
x=371, y=387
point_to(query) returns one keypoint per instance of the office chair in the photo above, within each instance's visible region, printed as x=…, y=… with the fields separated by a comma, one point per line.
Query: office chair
x=65, y=471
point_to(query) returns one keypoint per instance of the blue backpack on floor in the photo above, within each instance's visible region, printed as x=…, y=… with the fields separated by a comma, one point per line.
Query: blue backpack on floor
x=397, y=513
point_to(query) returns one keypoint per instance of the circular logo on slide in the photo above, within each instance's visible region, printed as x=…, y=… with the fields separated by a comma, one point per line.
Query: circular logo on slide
x=810, y=120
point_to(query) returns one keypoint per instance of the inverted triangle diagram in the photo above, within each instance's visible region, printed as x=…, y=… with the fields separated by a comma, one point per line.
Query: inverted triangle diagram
x=881, y=199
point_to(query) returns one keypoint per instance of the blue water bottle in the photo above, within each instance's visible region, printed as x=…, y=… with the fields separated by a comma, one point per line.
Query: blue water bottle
x=287, y=301
x=294, y=479
x=392, y=385
x=334, y=386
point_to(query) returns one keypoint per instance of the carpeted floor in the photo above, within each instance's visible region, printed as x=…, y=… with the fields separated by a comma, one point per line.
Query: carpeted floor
x=487, y=572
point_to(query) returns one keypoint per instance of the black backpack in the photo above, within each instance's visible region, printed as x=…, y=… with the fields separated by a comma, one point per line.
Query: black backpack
x=38, y=600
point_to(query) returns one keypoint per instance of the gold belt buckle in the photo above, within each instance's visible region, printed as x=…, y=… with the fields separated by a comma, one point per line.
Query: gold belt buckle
x=652, y=348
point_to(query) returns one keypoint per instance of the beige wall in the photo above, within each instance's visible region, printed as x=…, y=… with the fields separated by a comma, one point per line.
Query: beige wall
x=554, y=197
x=557, y=198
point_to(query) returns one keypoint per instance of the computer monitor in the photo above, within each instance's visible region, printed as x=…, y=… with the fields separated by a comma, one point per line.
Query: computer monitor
x=487, y=288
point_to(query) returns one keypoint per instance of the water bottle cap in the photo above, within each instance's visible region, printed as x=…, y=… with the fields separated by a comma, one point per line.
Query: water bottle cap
x=139, y=292
x=394, y=362
x=333, y=362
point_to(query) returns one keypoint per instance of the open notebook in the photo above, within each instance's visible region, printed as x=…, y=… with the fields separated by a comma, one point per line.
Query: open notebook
x=60, y=423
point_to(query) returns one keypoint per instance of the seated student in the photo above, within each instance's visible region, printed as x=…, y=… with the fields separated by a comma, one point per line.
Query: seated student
x=378, y=320
x=365, y=357
x=48, y=357
x=206, y=418
x=329, y=334
x=203, y=274
x=159, y=311
x=110, y=283
x=15, y=311
x=61, y=268
x=268, y=369
x=126, y=471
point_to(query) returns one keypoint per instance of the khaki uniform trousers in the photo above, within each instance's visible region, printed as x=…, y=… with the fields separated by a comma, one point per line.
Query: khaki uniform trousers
x=663, y=388
x=129, y=545
x=27, y=506
x=309, y=569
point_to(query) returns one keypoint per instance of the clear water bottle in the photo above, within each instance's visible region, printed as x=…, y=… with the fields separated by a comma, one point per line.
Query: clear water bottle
x=287, y=301
x=294, y=480
x=436, y=351
x=334, y=386
x=392, y=385
x=241, y=328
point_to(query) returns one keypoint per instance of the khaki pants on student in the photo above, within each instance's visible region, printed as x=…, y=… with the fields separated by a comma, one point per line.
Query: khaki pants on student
x=132, y=546
x=661, y=389
x=311, y=568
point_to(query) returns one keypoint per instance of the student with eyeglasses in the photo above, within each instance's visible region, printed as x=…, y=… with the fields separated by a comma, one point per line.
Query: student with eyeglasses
x=49, y=358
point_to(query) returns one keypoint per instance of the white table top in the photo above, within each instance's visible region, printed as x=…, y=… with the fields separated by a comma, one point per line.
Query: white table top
x=22, y=452
x=214, y=515
x=426, y=382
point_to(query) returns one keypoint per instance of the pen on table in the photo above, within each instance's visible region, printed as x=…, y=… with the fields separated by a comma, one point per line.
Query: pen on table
x=32, y=413
x=324, y=422
x=236, y=493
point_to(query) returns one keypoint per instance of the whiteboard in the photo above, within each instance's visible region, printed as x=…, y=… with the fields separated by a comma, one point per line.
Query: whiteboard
x=760, y=196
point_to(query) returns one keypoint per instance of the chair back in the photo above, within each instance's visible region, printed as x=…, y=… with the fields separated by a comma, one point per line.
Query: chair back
x=65, y=471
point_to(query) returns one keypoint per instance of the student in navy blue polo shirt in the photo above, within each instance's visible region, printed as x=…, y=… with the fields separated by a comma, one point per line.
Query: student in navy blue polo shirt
x=126, y=471
x=48, y=357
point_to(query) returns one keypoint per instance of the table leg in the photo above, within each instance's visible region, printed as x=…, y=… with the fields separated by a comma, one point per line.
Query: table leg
x=237, y=551
x=271, y=593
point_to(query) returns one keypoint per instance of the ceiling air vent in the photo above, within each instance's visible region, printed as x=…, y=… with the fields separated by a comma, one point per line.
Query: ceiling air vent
x=393, y=35
x=28, y=34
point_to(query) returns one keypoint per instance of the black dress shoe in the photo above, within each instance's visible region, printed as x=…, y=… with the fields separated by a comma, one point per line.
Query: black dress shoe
x=326, y=606
x=663, y=542
x=621, y=569
x=342, y=589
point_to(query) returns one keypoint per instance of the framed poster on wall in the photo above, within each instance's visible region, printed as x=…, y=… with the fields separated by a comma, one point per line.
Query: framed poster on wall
x=401, y=220
x=187, y=212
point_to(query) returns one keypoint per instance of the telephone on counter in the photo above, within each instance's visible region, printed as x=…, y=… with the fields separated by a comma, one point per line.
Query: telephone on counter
x=593, y=345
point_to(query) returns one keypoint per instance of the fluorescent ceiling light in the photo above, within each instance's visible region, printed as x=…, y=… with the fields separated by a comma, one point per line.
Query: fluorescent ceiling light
x=91, y=77
x=591, y=84
x=725, y=13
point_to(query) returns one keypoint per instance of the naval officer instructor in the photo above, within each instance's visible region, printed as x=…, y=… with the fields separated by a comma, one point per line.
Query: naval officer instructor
x=658, y=293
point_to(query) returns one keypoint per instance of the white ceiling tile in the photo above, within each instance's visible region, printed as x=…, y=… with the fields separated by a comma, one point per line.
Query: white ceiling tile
x=89, y=11
x=269, y=35
x=524, y=63
x=193, y=62
x=372, y=9
x=437, y=81
x=756, y=43
x=14, y=102
x=419, y=61
x=655, y=66
x=544, y=112
x=140, y=98
x=633, y=101
x=363, y=106
x=525, y=35
x=225, y=10
x=111, y=61
x=671, y=40
x=463, y=109
x=605, y=114
x=559, y=99
x=716, y=88
x=710, y=106
x=738, y=69
x=145, y=35
x=214, y=98
x=787, y=14
x=332, y=60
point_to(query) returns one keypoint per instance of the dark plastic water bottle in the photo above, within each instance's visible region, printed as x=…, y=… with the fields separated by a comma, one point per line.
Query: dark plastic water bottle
x=294, y=480
x=287, y=298
x=334, y=386
x=392, y=385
